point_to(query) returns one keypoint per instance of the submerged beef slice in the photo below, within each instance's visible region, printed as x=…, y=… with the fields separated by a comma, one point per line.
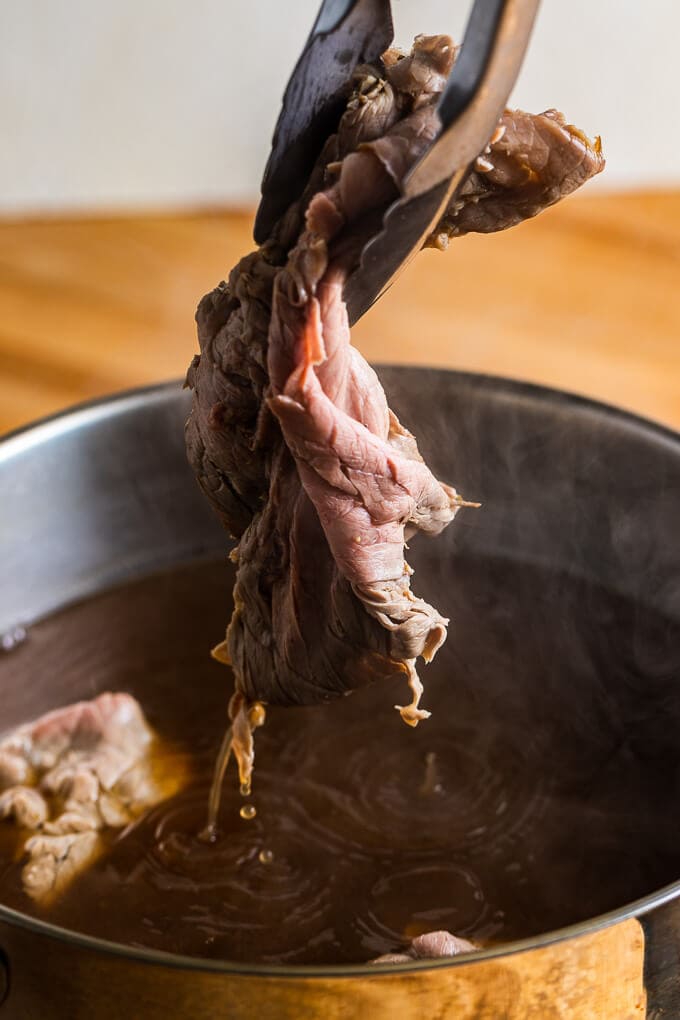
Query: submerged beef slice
x=290, y=434
x=73, y=773
x=432, y=945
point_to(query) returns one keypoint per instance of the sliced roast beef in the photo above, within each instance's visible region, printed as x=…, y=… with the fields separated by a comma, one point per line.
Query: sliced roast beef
x=290, y=434
x=433, y=945
x=73, y=773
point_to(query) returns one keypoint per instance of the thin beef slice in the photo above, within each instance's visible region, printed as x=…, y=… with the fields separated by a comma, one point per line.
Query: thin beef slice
x=290, y=434
x=73, y=773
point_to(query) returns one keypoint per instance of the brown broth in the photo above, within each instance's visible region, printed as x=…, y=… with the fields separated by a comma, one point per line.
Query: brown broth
x=541, y=792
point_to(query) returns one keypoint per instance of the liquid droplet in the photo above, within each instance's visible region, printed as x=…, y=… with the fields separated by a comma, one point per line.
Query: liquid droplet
x=431, y=782
x=248, y=811
x=208, y=835
x=244, y=789
x=218, y=777
x=265, y=857
x=12, y=638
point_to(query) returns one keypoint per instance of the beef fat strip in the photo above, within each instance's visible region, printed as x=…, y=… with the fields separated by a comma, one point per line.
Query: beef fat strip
x=290, y=434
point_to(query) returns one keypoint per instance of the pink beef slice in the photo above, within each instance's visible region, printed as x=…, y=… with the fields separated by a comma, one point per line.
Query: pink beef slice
x=290, y=434
x=433, y=945
x=73, y=773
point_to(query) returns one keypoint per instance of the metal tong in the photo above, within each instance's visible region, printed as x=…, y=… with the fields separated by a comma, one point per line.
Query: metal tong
x=351, y=32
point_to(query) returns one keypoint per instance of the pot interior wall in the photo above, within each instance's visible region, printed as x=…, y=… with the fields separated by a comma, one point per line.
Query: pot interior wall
x=104, y=493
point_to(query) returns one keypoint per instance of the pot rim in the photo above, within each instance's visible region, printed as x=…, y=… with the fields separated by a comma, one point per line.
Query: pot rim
x=80, y=415
x=119, y=401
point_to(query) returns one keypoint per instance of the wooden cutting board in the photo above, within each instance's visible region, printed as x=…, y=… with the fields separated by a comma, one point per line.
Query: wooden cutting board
x=586, y=297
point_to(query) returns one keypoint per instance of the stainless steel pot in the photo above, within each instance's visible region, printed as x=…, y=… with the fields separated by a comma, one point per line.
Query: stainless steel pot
x=103, y=494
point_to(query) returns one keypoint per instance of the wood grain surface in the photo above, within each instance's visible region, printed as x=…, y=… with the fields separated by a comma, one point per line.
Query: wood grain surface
x=586, y=297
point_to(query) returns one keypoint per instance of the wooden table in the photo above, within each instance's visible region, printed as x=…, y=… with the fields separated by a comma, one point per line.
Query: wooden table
x=586, y=297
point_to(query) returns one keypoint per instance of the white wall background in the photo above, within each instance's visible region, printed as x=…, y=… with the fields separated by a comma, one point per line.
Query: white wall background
x=122, y=103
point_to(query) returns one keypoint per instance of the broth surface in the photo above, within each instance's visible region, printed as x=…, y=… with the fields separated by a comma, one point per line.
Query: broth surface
x=541, y=792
